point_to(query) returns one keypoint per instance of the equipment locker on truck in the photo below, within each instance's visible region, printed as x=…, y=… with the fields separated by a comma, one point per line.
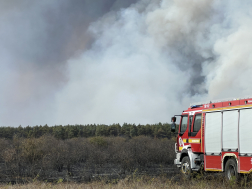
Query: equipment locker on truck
x=215, y=136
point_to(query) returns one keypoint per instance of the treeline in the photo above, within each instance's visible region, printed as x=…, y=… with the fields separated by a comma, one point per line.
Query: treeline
x=73, y=131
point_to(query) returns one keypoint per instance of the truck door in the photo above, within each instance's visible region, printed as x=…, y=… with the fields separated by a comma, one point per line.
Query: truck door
x=195, y=133
x=183, y=132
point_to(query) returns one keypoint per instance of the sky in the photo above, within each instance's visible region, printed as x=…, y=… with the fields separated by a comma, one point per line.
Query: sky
x=115, y=61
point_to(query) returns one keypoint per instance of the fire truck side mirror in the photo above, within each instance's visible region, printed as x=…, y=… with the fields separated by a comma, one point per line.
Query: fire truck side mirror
x=173, y=119
x=173, y=127
x=173, y=124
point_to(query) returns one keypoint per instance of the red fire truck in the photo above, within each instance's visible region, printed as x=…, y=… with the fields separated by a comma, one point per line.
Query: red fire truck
x=215, y=136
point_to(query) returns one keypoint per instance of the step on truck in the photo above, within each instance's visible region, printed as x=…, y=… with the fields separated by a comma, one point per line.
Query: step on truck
x=215, y=136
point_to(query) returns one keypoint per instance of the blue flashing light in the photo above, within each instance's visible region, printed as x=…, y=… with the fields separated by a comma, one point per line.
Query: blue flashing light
x=195, y=106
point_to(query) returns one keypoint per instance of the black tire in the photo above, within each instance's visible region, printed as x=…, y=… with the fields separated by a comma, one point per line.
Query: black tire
x=186, y=167
x=231, y=173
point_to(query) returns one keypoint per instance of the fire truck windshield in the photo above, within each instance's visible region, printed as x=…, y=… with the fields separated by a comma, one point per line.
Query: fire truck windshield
x=183, y=124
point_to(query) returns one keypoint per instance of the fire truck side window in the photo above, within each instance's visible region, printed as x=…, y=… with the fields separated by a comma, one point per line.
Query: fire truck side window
x=183, y=124
x=197, y=123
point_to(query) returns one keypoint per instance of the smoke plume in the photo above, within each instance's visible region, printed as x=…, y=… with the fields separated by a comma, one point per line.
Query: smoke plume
x=115, y=61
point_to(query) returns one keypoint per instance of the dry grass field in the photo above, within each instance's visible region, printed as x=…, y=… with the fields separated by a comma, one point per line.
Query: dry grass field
x=98, y=162
x=144, y=182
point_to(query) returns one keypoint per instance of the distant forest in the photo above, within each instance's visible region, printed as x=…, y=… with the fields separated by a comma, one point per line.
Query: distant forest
x=158, y=130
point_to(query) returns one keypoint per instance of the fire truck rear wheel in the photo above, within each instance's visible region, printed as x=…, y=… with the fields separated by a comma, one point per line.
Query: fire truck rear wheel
x=231, y=170
x=186, y=167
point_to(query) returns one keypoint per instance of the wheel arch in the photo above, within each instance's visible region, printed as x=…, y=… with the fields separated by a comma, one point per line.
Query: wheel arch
x=226, y=157
x=184, y=153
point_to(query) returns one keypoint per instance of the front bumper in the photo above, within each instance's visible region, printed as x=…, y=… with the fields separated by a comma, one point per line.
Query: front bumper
x=177, y=162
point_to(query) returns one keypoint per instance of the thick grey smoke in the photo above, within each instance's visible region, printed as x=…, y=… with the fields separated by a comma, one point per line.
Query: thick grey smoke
x=36, y=40
x=107, y=61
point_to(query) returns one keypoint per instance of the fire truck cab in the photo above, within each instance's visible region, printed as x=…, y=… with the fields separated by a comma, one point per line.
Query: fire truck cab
x=215, y=136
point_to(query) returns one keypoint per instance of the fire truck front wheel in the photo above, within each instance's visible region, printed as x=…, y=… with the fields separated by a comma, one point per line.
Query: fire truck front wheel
x=186, y=167
x=231, y=170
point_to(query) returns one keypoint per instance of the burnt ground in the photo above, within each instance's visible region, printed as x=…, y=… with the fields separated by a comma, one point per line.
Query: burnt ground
x=83, y=172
